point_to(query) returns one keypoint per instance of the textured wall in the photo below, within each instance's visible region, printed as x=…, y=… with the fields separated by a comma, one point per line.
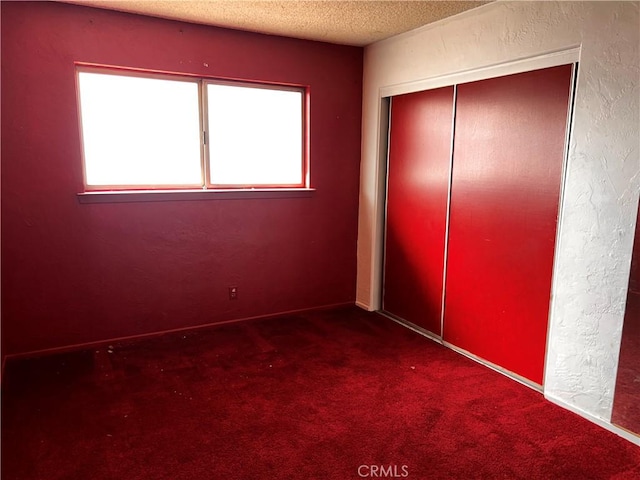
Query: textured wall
x=74, y=273
x=603, y=177
x=597, y=229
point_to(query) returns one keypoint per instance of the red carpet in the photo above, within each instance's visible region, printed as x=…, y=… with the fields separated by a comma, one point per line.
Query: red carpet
x=313, y=396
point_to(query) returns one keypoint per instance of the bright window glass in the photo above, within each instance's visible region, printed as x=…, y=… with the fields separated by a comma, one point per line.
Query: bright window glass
x=255, y=136
x=139, y=131
x=159, y=131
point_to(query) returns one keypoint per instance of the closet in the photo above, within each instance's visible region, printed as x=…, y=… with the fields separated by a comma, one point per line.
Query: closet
x=473, y=191
x=417, y=197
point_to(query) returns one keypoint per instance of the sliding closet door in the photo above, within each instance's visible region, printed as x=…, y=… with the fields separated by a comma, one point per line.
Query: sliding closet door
x=508, y=157
x=417, y=195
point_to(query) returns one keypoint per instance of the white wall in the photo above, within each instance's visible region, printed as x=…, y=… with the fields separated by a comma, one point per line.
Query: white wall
x=598, y=211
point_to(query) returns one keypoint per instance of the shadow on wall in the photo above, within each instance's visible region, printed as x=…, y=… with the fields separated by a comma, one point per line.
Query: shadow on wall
x=407, y=293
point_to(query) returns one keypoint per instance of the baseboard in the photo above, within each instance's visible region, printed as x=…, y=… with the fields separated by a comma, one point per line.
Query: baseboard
x=363, y=306
x=141, y=336
x=592, y=418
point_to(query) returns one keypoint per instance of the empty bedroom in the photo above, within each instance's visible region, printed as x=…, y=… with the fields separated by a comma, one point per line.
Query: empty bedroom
x=320, y=240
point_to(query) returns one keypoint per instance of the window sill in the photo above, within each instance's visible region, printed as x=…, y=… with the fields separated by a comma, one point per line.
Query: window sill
x=130, y=196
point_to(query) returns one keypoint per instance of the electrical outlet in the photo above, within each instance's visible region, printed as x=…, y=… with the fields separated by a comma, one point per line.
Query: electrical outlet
x=233, y=293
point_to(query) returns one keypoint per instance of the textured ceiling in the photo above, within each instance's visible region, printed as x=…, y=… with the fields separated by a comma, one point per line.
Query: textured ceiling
x=358, y=22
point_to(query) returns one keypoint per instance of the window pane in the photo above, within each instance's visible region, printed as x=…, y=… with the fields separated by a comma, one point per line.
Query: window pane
x=140, y=131
x=255, y=136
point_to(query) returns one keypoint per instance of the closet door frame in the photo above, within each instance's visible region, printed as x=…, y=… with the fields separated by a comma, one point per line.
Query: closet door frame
x=565, y=57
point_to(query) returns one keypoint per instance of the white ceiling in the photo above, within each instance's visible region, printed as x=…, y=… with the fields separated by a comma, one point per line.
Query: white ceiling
x=355, y=22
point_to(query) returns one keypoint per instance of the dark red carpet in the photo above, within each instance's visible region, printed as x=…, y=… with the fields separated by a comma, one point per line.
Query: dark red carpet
x=314, y=396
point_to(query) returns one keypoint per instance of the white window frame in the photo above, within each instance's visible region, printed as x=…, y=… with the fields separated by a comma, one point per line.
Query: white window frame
x=206, y=183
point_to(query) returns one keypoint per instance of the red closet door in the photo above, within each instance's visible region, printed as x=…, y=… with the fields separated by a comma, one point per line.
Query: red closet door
x=508, y=157
x=418, y=183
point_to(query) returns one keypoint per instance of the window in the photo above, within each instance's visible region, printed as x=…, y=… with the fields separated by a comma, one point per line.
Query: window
x=151, y=131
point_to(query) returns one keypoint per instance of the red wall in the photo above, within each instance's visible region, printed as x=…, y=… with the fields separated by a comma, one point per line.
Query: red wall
x=74, y=273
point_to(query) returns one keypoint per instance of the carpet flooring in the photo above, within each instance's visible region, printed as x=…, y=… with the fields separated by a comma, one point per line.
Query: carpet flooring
x=336, y=394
